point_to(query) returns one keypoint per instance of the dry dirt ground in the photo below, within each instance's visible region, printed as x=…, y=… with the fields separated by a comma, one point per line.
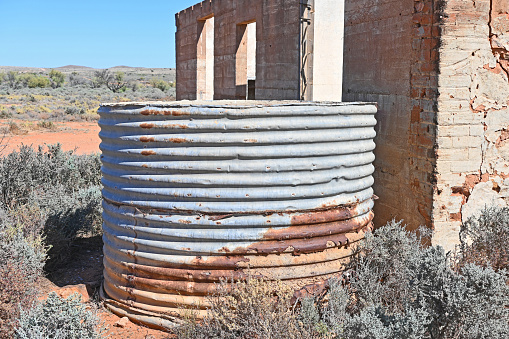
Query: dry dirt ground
x=84, y=264
x=81, y=136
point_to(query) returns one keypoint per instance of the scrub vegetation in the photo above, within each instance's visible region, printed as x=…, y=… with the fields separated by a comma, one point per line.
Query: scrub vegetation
x=74, y=93
x=48, y=199
x=394, y=287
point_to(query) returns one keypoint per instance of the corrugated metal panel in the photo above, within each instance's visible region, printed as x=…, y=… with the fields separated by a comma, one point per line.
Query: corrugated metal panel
x=197, y=191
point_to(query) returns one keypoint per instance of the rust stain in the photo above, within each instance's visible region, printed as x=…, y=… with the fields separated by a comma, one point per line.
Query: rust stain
x=150, y=112
x=317, y=230
x=219, y=217
x=146, y=125
x=177, y=126
x=251, y=140
x=298, y=246
x=321, y=216
x=204, y=275
x=183, y=221
x=175, y=113
x=148, y=152
x=219, y=262
x=147, y=139
x=178, y=140
x=163, y=112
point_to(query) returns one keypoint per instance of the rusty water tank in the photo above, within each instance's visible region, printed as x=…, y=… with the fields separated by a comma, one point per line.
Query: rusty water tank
x=197, y=191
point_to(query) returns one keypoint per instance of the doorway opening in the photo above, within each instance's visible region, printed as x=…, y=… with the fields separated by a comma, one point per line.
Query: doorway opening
x=245, y=65
x=205, y=59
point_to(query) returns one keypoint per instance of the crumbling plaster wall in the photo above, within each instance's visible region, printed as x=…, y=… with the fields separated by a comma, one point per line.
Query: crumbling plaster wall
x=391, y=58
x=277, y=47
x=472, y=153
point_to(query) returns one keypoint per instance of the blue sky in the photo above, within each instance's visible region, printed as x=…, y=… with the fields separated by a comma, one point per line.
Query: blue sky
x=99, y=34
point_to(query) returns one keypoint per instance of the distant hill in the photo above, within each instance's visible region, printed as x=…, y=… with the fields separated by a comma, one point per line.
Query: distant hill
x=125, y=67
x=74, y=67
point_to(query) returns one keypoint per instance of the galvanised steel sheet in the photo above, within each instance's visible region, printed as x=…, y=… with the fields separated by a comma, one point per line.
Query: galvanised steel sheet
x=199, y=191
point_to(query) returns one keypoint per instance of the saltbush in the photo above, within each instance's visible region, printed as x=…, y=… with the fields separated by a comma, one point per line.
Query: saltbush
x=485, y=239
x=64, y=186
x=28, y=172
x=398, y=288
x=23, y=255
x=58, y=318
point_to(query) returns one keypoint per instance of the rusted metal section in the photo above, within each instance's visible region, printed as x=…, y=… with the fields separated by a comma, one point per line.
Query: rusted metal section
x=195, y=192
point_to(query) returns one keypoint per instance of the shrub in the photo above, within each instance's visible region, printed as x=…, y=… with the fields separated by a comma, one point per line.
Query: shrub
x=398, y=288
x=14, y=128
x=5, y=114
x=12, y=79
x=57, y=78
x=101, y=77
x=38, y=81
x=23, y=254
x=47, y=124
x=73, y=110
x=484, y=240
x=248, y=309
x=160, y=84
x=64, y=186
x=75, y=79
x=58, y=318
x=27, y=171
x=116, y=83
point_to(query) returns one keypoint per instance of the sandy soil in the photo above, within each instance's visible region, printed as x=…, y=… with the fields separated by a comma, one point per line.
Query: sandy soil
x=81, y=136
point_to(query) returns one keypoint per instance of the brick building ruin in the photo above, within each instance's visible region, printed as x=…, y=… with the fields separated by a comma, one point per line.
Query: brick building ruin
x=439, y=71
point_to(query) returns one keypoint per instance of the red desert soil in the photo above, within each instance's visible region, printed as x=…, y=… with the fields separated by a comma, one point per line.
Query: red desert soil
x=81, y=136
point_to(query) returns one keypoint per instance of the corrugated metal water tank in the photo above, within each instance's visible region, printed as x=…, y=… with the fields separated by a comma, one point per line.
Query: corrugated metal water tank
x=198, y=191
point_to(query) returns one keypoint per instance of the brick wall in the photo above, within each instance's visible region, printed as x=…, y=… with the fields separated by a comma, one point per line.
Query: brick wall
x=473, y=115
x=277, y=68
x=390, y=58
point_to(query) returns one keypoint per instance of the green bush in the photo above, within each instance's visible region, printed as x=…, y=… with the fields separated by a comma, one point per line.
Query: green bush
x=12, y=79
x=57, y=78
x=58, y=318
x=117, y=83
x=160, y=84
x=38, y=81
x=48, y=198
